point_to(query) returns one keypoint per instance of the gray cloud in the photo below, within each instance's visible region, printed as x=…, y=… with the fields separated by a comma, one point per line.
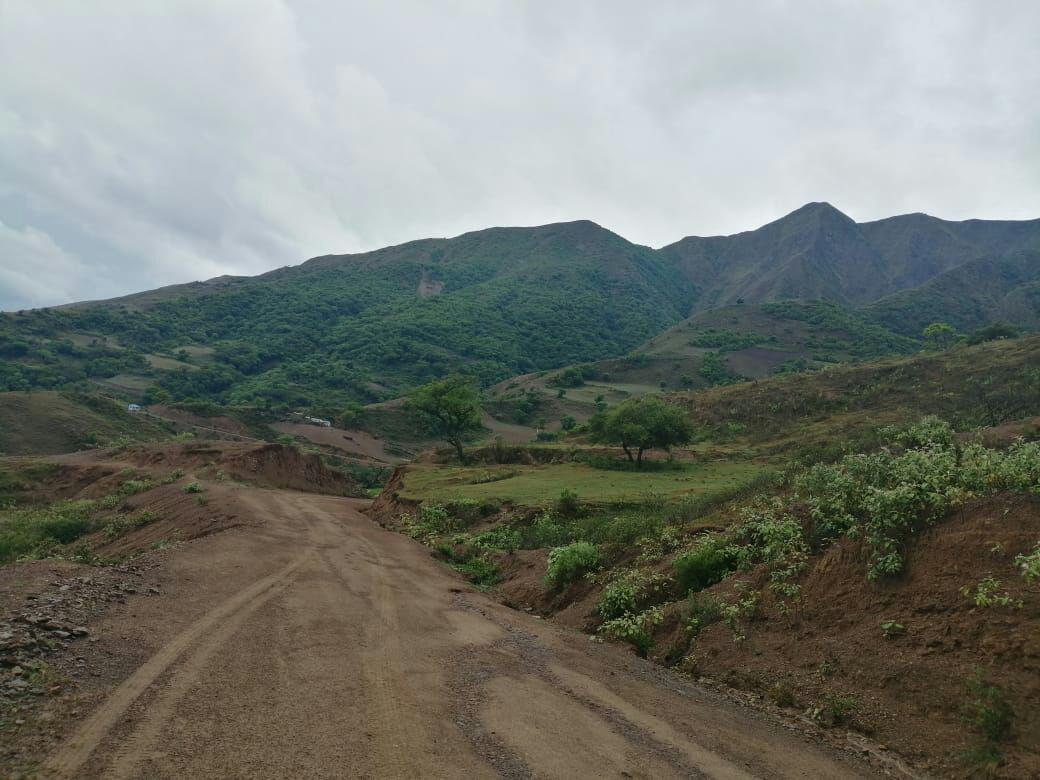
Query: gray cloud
x=158, y=142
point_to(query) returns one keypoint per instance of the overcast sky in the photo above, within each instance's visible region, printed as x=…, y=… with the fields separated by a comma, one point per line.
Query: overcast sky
x=146, y=143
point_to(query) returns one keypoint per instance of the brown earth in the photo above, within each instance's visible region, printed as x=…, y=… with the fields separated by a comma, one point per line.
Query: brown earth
x=360, y=444
x=911, y=689
x=261, y=464
x=309, y=642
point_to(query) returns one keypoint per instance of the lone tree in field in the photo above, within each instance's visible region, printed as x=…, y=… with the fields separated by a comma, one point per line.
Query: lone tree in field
x=450, y=409
x=940, y=335
x=641, y=424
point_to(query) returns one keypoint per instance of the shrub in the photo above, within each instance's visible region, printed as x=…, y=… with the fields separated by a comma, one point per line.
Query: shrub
x=891, y=629
x=703, y=610
x=986, y=594
x=568, y=563
x=500, y=538
x=631, y=592
x=480, y=571
x=704, y=565
x=193, y=487
x=1029, y=564
x=927, y=432
x=544, y=531
x=134, y=486
x=636, y=629
x=568, y=504
x=39, y=531
x=988, y=711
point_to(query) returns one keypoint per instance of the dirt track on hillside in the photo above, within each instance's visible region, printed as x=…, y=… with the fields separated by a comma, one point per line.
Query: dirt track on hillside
x=312, y=643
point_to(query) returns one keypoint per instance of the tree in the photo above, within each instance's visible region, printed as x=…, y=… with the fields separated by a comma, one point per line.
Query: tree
x=641, y=424
x=450, y=409
x=940, y=335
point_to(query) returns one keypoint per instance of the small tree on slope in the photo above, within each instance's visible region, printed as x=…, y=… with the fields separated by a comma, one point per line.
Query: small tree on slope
x=642, y=424
x=450, y=409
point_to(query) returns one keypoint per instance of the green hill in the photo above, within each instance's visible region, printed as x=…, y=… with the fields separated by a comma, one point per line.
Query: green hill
x=45, y=423
x=503, y=302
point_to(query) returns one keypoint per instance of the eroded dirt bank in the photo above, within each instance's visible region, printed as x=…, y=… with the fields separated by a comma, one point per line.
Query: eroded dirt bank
x=309, y=642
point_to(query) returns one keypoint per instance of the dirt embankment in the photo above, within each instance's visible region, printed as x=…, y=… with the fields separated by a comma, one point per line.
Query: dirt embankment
x=388, y=506
x=900, y=655
x=264, y=465
x=892, y=660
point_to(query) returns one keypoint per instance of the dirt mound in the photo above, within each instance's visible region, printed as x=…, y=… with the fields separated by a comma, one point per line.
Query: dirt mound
x=265, y=465
x=276, y=465
x=897, y=656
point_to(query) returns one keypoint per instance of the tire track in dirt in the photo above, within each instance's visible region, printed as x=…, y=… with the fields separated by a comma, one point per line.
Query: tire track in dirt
x=390, y=710
x=75, y=751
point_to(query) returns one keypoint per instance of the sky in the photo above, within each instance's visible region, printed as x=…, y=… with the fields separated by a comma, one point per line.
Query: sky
x=151, y=143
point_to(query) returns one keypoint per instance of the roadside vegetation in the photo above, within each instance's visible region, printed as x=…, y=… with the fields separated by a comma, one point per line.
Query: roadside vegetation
x=721, y=549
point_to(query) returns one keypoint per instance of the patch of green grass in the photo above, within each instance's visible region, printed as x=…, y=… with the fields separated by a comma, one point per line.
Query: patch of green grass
x=35, y=531
x=540, y=484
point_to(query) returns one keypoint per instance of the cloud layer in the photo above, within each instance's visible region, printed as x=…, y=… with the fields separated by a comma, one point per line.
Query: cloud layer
x=152, y=143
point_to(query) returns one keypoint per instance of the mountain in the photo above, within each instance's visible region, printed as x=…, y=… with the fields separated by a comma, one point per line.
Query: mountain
x=817, y=252
x=496, y=303
x=367, y=326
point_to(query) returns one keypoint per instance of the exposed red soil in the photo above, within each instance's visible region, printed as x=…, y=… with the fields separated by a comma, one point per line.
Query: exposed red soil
x=910, y=690
x=264, y=465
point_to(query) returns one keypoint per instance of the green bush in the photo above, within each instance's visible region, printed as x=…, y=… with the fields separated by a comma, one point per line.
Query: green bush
x=544, y=531
x=703, y=610
x=631, y=592
x=37, y=531
x=480, y=571
x=568, y=563
x=193, y=487
x=636, y=629
x=988, y=711
x=704, y=565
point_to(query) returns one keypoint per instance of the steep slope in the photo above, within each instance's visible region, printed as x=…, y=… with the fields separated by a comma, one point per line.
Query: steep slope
x=818, y=252
x=814, y=252
x=979, y=292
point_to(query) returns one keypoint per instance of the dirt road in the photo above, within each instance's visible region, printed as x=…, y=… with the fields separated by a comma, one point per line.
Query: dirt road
x=315, y=644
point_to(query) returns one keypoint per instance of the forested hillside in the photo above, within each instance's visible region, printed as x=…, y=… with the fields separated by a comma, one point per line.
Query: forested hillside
x=811, y=288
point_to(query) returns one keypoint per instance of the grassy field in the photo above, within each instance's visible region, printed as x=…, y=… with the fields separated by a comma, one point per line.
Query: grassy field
x=536, y=485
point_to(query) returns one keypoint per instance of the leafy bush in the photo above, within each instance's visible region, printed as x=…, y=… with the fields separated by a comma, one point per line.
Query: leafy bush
x=636, y=629
x=480, y=571
x=568, y=563
x=887, y=497
x=37, y=531
x=988, y=711
x=704, y=565
x=987, y=594
x=568, y=504
x=544, y=531
x=133, y=486
x=703, y=610
x=631, y=592
x=499, y=538
x=927, y=432
x=1029, y=564
x=193, y=487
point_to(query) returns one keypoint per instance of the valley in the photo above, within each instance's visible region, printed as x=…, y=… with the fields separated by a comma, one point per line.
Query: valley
x=533, y=500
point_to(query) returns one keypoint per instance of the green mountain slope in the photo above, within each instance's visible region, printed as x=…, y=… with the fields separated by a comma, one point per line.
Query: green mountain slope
x=362, y=327
x=506, y=301
x=971, y=295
